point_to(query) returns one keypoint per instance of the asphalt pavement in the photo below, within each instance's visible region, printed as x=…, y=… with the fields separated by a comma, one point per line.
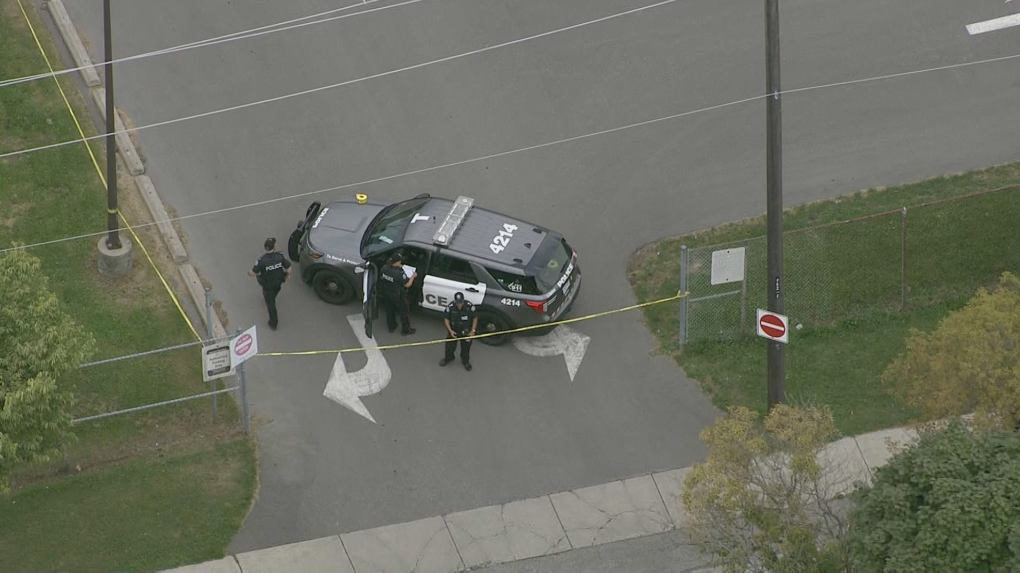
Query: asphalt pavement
x=517, y=426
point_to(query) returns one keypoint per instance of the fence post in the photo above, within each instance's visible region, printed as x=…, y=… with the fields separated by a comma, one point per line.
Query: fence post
x=208, y=314
x=743, y=294
x=68, y=462
x=683, y=291
x=243, y=389
x=208, y=331
x=903, y=258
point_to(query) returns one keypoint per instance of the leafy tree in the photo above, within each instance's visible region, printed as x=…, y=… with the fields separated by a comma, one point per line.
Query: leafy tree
x=39, y=343
x=969, y=363
x=764, y=499
x=949, y=503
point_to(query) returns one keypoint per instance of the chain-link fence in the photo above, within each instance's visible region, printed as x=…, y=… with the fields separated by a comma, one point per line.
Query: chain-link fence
x=145, y=402
x=910, y=257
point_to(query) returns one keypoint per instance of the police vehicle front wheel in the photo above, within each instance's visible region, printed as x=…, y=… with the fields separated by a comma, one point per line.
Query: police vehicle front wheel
x=333, y=287
x=489, y=322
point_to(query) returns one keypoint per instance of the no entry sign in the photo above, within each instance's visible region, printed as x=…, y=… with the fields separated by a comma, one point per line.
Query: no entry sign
x=243, y=347
x=773, y=326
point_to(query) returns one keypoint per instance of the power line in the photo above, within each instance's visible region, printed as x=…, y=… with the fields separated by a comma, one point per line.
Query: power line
x=406, y=173
x=348, y=82
x=243, y=35
x=528, y=148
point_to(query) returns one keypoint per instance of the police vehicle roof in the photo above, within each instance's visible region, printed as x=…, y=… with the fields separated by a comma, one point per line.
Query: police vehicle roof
x=477, y=232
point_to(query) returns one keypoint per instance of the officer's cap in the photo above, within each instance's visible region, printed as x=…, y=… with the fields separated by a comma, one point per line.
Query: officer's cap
x=458, y=298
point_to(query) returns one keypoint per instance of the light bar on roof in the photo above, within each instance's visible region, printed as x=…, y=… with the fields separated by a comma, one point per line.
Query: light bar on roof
x=453, y=220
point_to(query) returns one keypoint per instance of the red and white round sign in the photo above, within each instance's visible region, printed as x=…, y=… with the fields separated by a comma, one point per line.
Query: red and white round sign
x=773, y=326
x=242, y=345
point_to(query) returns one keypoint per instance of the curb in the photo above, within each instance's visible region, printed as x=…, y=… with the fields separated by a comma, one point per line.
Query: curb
x=159, y=214
x=135, y=166
x=124, y=144
x=73, y=41
x=197, y=291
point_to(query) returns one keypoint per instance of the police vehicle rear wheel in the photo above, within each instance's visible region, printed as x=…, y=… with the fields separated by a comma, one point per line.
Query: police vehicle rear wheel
x=332, y=287
x=491, y=322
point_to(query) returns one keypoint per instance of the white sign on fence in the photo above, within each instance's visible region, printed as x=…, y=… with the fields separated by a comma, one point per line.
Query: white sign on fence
x=728, y=266
x=216, y=362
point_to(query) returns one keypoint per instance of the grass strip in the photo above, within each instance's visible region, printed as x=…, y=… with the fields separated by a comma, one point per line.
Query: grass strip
x=844, y=273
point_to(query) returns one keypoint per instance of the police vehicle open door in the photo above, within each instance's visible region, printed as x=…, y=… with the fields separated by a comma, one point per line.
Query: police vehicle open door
x=370, y=301
x=294, y=243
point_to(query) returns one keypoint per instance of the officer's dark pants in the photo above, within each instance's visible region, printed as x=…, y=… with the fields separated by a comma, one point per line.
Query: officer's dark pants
x=397, y=306
x=269, y=293
x=465, y=348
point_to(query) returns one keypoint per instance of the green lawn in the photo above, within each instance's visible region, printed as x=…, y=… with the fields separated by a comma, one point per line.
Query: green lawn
x=187, y=512
x=844, y=283
x=57, y=193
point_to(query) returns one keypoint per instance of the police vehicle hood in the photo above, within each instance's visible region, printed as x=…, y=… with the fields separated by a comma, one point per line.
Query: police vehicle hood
x=339, y=226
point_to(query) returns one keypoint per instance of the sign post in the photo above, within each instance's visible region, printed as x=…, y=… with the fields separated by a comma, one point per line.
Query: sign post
x=242, y=347
x=216, y=364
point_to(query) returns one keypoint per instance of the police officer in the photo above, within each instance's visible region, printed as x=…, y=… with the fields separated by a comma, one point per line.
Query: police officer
x=393, y=285
x=271, y=270
x=461, y=322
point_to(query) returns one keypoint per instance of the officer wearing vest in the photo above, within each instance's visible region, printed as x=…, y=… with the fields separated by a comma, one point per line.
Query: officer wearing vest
x=271, y=270
x=393, y=285
x=461, y=322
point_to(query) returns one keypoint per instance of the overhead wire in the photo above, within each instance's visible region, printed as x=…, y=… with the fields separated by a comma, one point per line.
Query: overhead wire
x=528, y=148
x=354, y=81
x=490, y=48
x=241, y=35
x=234, y=36
x=831, y=85
x=403, y=174
x=102, y=176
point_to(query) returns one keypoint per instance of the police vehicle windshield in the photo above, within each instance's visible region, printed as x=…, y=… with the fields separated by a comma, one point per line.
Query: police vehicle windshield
x=549, y=262
x=389, y=226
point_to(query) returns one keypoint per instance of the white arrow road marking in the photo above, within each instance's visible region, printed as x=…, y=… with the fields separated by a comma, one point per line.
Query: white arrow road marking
x=347, y=388
x=562, y=340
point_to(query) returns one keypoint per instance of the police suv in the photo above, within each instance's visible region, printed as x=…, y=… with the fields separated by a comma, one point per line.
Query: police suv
x=515, y=273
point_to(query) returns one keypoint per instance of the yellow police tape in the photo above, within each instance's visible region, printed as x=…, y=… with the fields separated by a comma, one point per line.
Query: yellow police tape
x=102, y=176
x=679, y=295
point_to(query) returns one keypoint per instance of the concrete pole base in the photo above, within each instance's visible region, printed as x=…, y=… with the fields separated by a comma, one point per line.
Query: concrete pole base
x=115, y=262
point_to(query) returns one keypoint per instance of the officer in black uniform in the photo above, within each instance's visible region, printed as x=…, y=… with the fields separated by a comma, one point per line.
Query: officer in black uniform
x=271, y=270
x=393, y=285
x=461, y=322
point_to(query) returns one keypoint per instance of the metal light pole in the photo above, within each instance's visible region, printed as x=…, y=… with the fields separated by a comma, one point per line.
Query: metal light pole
x=774, y=188
x=113, y=239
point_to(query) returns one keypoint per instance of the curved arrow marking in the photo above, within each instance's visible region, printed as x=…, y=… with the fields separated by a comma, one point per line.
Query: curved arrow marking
x=562, y=340
x=347, y=388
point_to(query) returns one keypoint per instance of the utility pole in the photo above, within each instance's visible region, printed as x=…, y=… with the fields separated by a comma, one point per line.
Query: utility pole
x=774, y=188
x=113, y=238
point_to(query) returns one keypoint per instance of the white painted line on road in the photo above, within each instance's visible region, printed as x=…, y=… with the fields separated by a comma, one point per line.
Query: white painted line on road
x=347, y=388
x=993, y=25
x=562, y=340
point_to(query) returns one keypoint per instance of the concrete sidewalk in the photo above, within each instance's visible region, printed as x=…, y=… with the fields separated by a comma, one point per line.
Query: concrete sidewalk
x=625, y=509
